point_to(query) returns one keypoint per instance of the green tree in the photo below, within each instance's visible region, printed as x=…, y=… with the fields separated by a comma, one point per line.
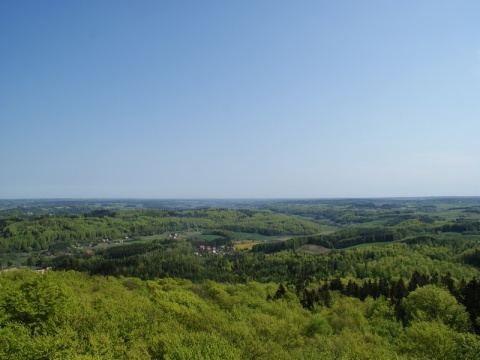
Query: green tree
x=434, y=340
x=430, y=303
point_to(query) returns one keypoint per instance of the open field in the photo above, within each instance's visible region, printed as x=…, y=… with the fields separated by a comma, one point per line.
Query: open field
x=372, y=223
x=328, y=229
x=453, y=235
x=245, y=244
x=312, y=249
x=253, y=236
x=209, y=237
x=361, y=246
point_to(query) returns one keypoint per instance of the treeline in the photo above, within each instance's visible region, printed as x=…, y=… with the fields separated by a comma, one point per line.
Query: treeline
x=364, y=235
x=37, y=233
x=350, y=211
x=178, y=259
x=276, y=246
x=388, y=212
x=337, y=240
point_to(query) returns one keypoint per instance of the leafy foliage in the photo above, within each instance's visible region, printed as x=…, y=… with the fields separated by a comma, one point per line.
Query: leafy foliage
x=176, y=319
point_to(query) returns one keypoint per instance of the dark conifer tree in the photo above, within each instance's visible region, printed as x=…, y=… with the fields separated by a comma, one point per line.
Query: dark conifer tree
x=336, y=284
x=383, y=287
x=471, y=301
x=280, y=292
x=399, y=291
x=352, y=289
x=324, y=296
x=447, y=281
x=414, y=281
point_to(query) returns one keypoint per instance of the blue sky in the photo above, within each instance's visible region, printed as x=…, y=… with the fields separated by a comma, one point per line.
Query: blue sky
x=239, y=99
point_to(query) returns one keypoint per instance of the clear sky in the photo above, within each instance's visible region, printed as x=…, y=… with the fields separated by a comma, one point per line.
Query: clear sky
x=239, y=99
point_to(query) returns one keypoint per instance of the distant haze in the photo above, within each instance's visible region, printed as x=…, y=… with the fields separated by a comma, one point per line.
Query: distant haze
x=239, y=99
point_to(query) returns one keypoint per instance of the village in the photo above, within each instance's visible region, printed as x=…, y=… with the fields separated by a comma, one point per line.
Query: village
x=220, y=250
